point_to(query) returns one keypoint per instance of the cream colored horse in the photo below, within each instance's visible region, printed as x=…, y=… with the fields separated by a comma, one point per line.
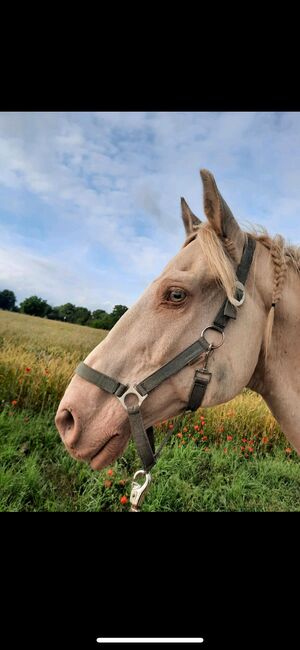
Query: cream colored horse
x=170, y=315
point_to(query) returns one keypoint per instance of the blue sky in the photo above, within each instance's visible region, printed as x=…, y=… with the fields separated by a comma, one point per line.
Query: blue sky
x=90, y=202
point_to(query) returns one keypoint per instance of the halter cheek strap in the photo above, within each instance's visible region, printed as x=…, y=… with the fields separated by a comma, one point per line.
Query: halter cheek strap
x=144, y=439
x=226, y=312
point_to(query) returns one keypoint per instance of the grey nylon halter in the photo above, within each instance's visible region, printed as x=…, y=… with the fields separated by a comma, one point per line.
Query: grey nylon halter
x=144, y=440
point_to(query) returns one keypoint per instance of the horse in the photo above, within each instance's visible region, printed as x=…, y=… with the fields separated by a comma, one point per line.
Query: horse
x=108, y=399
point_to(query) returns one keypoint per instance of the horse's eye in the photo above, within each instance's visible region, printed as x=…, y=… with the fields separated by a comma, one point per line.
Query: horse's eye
x=177, y=295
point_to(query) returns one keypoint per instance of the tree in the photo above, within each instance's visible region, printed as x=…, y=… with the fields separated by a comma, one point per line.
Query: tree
x=81, y=315
x=104, y=322
x=117, y=312
x=54, y=314
x=35, y=306
x=7, y=300
x=98, y=313
x=67, y=312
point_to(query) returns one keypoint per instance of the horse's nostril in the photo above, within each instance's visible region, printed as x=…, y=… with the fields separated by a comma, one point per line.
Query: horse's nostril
x=69, y=421
x=65, y=422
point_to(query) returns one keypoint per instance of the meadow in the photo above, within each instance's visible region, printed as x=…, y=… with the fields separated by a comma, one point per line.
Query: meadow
x=229, y=458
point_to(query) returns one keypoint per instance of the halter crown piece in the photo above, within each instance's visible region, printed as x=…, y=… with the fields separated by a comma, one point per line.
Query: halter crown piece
x=144, y=439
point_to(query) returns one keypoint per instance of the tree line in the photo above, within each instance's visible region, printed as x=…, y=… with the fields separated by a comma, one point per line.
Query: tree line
x=69, y=313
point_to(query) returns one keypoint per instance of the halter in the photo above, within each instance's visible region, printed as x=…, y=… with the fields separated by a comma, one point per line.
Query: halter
x=144, y=439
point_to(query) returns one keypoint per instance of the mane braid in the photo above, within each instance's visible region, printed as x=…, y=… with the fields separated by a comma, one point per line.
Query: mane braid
x=220, y=254
x=291, y=252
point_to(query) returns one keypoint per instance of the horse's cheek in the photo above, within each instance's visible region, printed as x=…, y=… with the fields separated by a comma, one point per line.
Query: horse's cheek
x=221, y=373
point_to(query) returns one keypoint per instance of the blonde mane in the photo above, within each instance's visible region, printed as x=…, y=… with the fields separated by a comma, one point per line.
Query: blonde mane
x=290, y=252
x=219, y=256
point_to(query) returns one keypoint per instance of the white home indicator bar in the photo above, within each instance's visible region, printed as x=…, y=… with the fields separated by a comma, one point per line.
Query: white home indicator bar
x=149, y=640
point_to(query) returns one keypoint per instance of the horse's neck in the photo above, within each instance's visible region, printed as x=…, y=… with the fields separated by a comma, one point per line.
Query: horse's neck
x=277, y=379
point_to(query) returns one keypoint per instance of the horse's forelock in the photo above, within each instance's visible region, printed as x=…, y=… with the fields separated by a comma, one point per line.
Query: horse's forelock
x=218, y=256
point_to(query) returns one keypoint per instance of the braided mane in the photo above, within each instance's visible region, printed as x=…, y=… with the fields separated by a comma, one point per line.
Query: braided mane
x=220, y=254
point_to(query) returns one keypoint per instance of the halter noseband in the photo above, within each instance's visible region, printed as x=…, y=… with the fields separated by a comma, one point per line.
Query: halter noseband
x=144, y=439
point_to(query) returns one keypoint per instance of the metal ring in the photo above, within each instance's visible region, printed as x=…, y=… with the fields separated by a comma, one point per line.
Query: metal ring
x=212, y=327
x=131, y=390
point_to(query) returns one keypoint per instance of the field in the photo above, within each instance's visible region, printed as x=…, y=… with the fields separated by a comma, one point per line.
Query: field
x=230, y=458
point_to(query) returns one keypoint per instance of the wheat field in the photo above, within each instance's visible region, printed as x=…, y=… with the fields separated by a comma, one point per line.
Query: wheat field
x=38, y=358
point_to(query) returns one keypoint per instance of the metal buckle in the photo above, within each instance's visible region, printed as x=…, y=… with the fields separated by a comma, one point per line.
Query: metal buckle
x=131, y=390
x=138, y=491
x=212, y=327
x=240, y=286
x=203, y=371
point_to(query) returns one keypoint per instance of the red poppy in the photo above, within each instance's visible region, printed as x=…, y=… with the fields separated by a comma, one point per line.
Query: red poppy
x=196, y=427
x=27, y=369
x=250, y=449
x=110, y=472
x=265, y=440
x=179, y=435
x=288, y=450
x=229, y=438
x=244, y=439
x=171, y=426
x=14, y=402
x=123, y=500
x=204, y=438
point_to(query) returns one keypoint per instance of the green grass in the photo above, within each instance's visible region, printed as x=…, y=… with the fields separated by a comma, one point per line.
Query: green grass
x=37, y=474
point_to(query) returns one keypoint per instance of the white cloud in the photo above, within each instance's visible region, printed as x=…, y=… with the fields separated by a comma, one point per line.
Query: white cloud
x=29, y=274
x=115, y=180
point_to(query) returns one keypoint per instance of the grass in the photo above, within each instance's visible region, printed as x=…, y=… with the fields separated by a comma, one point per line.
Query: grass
x=37, y=474
x=229, y=458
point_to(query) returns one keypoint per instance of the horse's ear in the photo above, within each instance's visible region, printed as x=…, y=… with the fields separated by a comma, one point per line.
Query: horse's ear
x=190, y=221
x=217, y=211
